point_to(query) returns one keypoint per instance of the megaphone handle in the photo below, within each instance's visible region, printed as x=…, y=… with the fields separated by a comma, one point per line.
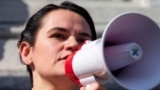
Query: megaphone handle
x=88, y=80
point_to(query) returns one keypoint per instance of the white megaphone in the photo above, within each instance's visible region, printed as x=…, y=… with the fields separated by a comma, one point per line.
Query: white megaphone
x=128, y=52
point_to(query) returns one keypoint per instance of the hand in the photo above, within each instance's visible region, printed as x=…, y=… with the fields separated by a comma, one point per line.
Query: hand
x=93, y=86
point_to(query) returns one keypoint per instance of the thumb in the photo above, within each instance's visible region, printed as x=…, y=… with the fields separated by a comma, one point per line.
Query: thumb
x=93, y=86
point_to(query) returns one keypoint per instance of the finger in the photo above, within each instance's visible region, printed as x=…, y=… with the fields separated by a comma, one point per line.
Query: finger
x=95, y=86
x=83, y=88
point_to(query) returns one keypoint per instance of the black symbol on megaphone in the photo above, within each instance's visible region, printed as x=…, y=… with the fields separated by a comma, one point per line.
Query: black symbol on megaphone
x=128, y=52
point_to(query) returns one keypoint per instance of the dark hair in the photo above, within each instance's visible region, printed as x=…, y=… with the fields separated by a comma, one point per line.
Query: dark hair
x=34, y=23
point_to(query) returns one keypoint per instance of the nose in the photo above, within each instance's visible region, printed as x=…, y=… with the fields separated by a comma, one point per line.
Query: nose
x=72, y=44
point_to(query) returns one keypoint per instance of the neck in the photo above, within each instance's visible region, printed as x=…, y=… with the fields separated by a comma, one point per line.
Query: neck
x=40, y=83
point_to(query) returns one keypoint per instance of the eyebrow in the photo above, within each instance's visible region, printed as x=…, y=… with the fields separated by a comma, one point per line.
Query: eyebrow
x=57, y=29
x=84, y=34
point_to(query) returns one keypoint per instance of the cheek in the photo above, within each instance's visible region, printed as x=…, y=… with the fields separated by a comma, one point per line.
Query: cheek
x=45, y=54
x=45, y=57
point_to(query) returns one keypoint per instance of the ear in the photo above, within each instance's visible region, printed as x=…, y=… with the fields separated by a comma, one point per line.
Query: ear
x=25, y=51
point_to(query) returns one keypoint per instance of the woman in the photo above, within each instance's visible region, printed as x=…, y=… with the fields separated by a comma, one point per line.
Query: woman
x=50, y=36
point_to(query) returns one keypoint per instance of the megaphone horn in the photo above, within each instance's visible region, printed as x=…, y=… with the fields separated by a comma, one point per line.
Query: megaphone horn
x=128, y=52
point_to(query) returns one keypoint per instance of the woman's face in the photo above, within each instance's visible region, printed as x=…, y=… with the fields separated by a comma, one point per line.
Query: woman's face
x=60, y=34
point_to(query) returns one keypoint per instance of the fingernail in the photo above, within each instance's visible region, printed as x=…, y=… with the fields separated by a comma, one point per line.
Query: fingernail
x=88, y=87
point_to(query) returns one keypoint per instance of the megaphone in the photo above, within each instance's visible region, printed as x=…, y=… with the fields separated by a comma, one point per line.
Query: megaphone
x=128, y=52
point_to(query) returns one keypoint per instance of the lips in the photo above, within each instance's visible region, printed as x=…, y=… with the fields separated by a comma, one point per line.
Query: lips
x=64, y=57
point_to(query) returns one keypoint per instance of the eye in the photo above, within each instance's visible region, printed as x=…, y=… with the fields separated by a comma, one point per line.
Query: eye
x=59, y=36
x=81, y=40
